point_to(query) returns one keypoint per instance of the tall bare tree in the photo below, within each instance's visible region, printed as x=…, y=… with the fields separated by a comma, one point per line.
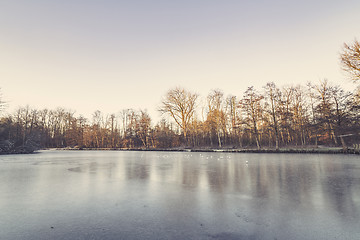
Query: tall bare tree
x=325, y=107
x=180, y=105
x=234, y=117
x=273, y=96
x=251, y=104
x=216, y=115
x=143, y=127
x=300, y=114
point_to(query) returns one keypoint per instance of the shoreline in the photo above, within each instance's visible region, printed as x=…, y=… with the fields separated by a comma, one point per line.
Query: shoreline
x=18, y=151
x=309, y=150
x=319, y=150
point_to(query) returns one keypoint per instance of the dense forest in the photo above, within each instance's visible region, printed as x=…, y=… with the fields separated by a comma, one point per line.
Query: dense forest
x=270, y=117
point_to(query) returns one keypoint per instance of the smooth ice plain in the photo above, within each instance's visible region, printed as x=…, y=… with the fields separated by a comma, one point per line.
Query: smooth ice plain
x=177, y=195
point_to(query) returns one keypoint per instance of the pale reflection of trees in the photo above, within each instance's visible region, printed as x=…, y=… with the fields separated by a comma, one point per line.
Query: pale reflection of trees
x=338, y=189
x=137, y=170
x=283, y=183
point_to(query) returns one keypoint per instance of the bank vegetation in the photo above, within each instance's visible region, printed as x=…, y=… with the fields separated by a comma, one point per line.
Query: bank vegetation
x=273, y=117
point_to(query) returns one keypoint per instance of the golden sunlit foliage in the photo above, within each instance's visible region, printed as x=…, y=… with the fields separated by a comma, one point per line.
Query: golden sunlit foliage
x=276, y=117
x=314, y=114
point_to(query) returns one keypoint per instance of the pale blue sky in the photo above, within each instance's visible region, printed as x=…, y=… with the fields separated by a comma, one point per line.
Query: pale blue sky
x=111, y=55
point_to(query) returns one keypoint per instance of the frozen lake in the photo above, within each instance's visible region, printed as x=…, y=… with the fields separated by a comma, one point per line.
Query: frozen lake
x=177, y=195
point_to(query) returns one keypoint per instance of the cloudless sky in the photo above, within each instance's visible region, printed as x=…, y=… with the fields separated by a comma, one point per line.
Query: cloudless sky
x=108, y=55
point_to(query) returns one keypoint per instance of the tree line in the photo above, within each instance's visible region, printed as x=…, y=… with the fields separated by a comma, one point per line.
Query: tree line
x=270, y=117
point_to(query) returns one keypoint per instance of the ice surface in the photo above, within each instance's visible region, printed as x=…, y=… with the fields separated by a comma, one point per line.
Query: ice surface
x=170, y=195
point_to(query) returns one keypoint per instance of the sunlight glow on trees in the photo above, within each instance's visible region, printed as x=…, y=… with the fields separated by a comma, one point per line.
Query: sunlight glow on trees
x=180, y=105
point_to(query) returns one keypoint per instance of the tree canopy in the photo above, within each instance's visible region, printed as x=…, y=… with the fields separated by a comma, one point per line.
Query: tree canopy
x=180, y=105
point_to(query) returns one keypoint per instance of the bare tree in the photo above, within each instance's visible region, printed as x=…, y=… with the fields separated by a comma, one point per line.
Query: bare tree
x=251, y=104
x=143, y=127
x=325, y=107
x=234, y=119
x=216, y=115
x=287, y=96
x=97, y=128
x=350, y=60
x=180, y=105
x=273, y=95
x=113, y=130
x=300, y=114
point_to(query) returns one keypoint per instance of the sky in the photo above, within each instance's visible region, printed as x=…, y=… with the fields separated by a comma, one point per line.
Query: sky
x=108, y=55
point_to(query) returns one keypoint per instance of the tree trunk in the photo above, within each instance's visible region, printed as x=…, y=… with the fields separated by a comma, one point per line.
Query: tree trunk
x=219, y=138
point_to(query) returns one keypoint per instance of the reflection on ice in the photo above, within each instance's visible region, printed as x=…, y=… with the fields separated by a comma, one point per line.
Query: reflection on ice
x=170, y=195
